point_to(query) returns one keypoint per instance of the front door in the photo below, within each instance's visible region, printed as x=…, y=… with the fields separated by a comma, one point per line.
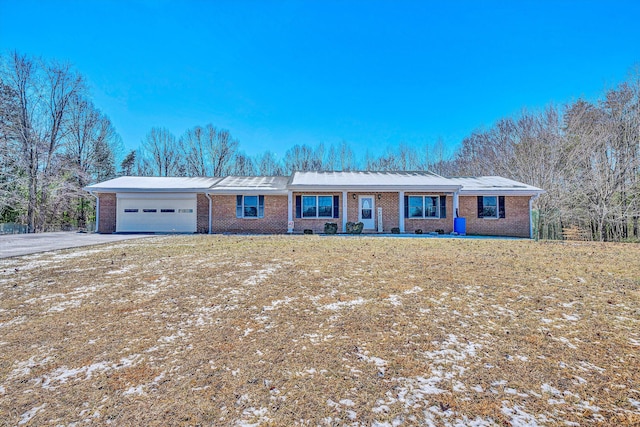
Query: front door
x=366, y=212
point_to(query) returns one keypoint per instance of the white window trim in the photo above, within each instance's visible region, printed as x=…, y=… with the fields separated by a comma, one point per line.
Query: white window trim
x=257, y=207
x=302, y=216
x=497, y=215
x=423, y=206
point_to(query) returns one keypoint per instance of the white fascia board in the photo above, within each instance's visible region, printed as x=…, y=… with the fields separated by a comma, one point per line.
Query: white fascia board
x=246, y=191
x=145, y=190
x=494, y=192
x=375, y=189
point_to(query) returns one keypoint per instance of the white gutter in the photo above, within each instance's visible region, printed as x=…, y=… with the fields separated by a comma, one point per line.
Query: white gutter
x=534, y=197
x=97, y=210
x=210, y=215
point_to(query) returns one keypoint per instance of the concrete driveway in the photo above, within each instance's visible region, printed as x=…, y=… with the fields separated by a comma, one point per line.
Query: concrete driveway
x=24, y=244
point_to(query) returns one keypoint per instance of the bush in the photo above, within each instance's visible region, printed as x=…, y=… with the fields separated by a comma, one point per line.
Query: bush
x=308, y=231
x=419, y=231
x=440, y=231
x=330, y=228
x=354, y=227
x=395, y=230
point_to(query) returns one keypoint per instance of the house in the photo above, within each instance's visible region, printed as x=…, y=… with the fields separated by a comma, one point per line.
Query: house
x=382, y=201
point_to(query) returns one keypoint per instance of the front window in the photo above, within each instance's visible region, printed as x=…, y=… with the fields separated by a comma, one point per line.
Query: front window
x=249, y=206
x=325, y=206
x=490, y=207
x=424, y=207
x=317, y=206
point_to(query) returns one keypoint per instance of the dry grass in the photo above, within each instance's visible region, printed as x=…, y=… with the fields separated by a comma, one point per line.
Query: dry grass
x=288, y=330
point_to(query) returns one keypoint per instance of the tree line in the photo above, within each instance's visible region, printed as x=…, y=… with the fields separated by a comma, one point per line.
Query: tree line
x=54, y=141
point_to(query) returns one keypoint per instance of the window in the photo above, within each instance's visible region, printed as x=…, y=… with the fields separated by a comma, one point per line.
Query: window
x=167, y=210
x=317, y=206
x=425, y=207
x=491, y=207
x=130, y=210
x=149, y=210
x=185, y=210
x=249, y=206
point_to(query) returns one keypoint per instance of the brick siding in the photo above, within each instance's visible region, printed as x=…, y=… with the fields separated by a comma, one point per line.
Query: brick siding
x=202, y=225
x=224, y=216
x=315, y=224
x=429, y=225
x=515, y=223
x=387, y=201
x=108, y=208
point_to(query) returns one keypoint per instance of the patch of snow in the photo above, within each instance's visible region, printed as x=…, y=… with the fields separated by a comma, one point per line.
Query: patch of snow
x=26, y=417
x=276, y=303
x=546, y=388
x=394, y=300
x=347, y=402
x=62, y=306
x=343, y=304
x=572, y=318
x=477, y=388
x=261, y=275
x=413, y=290
x=134, y=390
x=517, y=417
x=635, y=403
x=566, y=341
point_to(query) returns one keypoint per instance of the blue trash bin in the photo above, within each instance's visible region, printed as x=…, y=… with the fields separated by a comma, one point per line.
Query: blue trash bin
x=460, y=226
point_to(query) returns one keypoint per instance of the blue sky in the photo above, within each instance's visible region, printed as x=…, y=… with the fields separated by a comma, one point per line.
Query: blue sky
x=373, y=73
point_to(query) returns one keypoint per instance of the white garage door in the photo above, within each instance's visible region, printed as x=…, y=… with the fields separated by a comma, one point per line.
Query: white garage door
x=165, y=213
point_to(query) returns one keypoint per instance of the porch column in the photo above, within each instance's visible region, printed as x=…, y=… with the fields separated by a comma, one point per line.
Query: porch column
x=456, y=203
x=401, y=211
x=289, y=211
x=344, y=211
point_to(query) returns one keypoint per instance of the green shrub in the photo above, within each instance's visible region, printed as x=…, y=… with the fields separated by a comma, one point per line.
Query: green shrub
x=330, y=228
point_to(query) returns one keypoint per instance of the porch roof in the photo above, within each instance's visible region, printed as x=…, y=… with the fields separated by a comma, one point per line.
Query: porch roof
x=371, y=181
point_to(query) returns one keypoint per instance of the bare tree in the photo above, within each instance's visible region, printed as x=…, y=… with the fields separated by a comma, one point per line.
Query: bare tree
x=161, y=153
x=268, y=165
x=208, y=151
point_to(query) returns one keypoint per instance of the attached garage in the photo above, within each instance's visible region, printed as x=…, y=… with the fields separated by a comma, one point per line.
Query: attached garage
x=138, y=204
x=162, y=213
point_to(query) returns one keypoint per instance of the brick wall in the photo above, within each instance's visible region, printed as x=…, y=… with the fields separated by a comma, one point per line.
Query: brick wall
x=315, y=224
x=107, y=213
x=387, y=201
x=515, y=223
x=202, y=225
x=428, y=225
x=224, y=216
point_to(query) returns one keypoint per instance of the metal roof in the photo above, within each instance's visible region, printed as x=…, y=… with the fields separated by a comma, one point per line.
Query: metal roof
x=482, y=185
x=130, y=184
x=251, y=184
x=318, y=181
x=380, y=181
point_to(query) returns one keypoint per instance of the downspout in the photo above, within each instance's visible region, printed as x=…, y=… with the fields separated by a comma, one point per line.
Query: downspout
x=210, y=211
x=97, y=211
x=531, y=199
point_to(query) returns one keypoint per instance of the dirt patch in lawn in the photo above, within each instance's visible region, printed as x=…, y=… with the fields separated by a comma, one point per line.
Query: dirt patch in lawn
x=297, y=330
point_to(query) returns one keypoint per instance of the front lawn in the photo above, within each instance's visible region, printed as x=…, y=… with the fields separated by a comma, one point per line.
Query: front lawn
x=309, y=330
